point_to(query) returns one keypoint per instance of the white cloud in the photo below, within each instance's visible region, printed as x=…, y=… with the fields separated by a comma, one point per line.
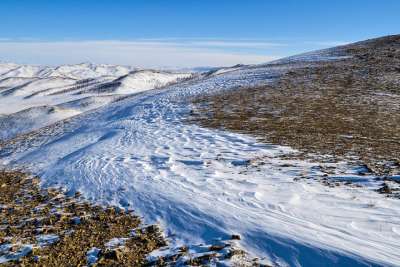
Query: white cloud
x=241, y=44
x=327, y=43
x=144, y=53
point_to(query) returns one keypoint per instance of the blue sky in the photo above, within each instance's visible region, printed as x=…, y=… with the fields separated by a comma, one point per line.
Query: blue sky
x=181, y=33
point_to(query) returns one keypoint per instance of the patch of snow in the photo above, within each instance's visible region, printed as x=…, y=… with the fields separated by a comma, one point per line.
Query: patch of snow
x=6, y=255
x=92, y=255
x=76, y=220
x=115, y=242
x=45, y=240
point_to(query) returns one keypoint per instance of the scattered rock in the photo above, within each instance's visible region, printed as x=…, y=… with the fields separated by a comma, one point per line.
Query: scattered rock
x=235, y=237
x=385, y=189
x=45, y=227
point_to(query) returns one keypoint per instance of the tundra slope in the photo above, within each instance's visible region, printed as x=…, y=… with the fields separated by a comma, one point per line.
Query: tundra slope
x=346, y=108
x=203, y=185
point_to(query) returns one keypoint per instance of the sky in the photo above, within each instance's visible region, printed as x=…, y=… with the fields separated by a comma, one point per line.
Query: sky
x=184, y=33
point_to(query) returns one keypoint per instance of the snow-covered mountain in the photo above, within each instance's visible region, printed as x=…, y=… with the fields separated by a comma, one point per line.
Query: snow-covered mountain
x=202, y=185
x=77, y=71
x=33, y=96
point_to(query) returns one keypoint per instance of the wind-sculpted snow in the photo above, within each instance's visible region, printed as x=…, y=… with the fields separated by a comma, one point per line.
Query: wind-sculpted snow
x=202, y=184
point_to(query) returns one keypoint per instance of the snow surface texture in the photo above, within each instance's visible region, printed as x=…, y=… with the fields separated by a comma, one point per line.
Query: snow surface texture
x=204, y=185
x=32, y=97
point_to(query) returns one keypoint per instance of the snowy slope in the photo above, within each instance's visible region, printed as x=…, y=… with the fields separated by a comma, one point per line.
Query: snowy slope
x=13, y=70
x=32, y=96
x=88, y=70
x=139, y=81
x=202, y=184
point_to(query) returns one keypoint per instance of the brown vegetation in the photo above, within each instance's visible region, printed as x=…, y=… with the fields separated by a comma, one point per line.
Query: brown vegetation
x=28, y=212
x=345, y=108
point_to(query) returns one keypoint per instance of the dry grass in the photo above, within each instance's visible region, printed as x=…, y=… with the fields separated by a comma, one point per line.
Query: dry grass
x=348, y=108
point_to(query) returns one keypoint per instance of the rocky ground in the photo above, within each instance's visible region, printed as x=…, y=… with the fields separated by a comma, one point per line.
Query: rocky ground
x=46, y=227
x=348, y=108
x=49, y=227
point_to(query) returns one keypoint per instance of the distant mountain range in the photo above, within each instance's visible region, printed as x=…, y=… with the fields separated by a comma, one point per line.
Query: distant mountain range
x=34, y=96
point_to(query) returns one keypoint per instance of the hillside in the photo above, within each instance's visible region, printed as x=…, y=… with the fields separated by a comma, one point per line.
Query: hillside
x=290, y=161
x=32, y=97
x=346, y=108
